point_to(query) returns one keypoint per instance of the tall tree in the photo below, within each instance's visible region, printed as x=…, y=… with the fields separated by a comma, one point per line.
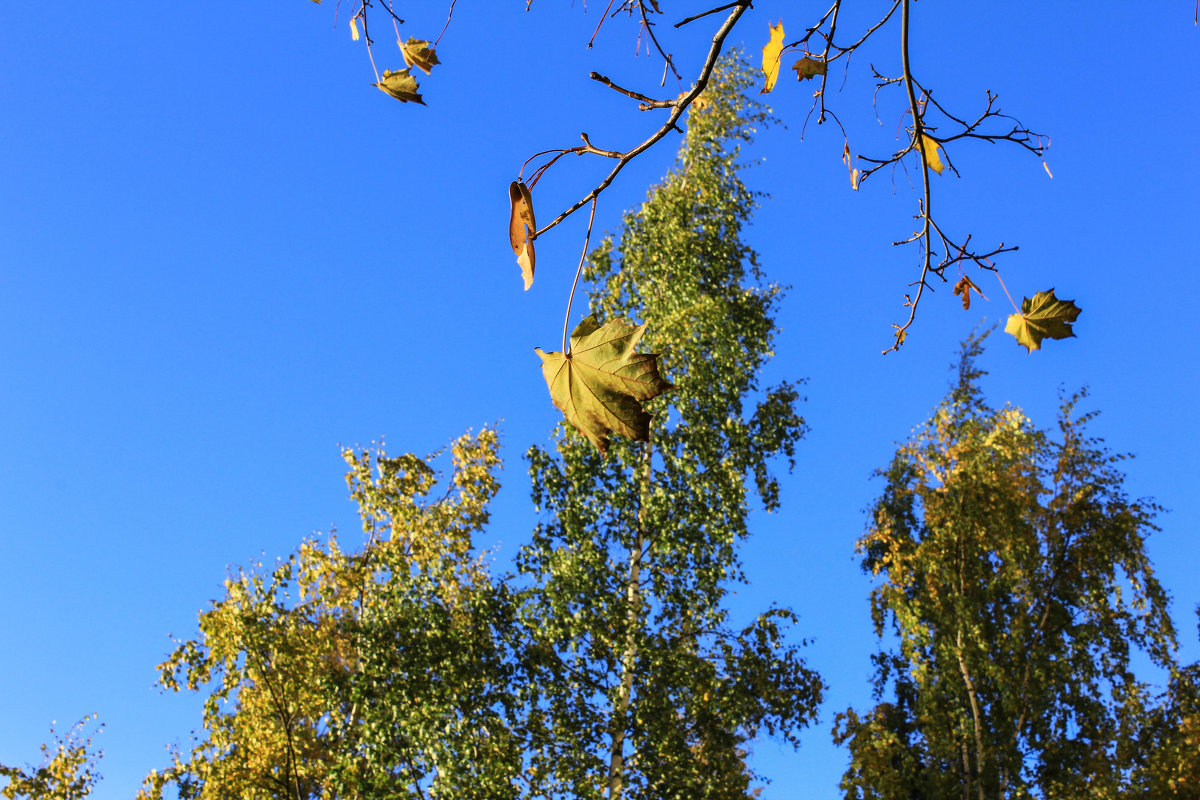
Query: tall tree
x=637, y=686
x=1016, y=583
x=374, y=674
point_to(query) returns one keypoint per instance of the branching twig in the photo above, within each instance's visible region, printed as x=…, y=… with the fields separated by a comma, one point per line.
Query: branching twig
x=918, y=132
x=666, y=57
x=695, y=17
x=647, y=102
x=677, y=107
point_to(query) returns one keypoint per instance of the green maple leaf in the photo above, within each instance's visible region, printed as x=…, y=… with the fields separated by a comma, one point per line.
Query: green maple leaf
x=401, y=85
x=1043, y=316
x=601, y=383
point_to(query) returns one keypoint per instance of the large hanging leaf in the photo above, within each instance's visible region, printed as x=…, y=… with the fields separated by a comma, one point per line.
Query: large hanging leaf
x=521, y=227
x=772, y=51
x=400, y=85
x=601, y=383
x=1043, y=316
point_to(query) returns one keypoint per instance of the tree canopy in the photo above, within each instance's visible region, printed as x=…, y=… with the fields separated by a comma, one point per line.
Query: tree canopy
x=1014, y=578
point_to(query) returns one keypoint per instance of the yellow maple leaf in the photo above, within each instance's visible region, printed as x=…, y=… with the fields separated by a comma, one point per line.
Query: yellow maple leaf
x=401, y=85
x=417, y=53
x=772, y=51
x=929, y=149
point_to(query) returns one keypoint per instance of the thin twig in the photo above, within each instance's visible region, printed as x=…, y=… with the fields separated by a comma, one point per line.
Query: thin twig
x=603, y=17
x=649, y=26
x=395, y=20
x=716, y=10
x=596, y=76
x=447, y=25
x=578, y=270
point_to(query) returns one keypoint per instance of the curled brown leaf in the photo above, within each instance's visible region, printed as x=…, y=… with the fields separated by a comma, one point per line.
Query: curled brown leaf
x=521, y=227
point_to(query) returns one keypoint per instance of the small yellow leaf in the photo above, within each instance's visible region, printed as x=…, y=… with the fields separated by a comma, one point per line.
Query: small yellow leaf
x=772, y=51
x=354, y=28
x=521, y=227
x=929, y=149
x=1046, y=167
x=417, y=53
x=808, y=67
x=400, y=85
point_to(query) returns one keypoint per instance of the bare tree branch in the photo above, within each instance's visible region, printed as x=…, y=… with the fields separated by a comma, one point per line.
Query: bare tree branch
x=677, y=107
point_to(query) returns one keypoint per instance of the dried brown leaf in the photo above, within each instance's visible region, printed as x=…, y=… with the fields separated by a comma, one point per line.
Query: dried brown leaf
x=849, y=161
x=964, y=287
x=808, y=67
x=521, y=227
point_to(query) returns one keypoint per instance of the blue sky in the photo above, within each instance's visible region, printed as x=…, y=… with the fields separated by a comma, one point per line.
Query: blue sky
x=222, y=253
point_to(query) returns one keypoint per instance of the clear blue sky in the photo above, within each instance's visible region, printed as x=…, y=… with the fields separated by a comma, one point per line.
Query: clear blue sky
x=222, y=254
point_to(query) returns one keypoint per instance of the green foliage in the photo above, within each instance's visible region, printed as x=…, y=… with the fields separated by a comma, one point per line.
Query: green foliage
x=637, y=684
x=1015, y=579
x=359, y=675
x=1168, y=741
x=68, y=770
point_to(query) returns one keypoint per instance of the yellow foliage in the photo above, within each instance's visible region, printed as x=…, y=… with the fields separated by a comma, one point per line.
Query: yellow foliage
x=771, y=53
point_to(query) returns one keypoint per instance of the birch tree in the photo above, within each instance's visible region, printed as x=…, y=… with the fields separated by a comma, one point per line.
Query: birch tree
x=374, y=673
x=1014, y=579
x=639, y=685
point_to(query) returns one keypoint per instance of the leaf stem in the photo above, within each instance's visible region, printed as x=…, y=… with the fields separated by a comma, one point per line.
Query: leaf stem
x=571, y=297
